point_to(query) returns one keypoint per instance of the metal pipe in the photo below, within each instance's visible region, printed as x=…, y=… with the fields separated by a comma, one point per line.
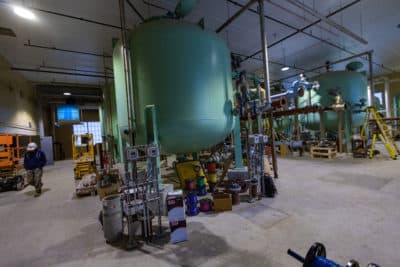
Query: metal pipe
x=272, y=62
x=297, y=30
x=76, y=18
x=313, y=12
x=62, y=73
x=127, y=71
x=279, y=95
x=267, y=86
x=67, y=50
x=264, y=44
x=296, y=14
x=71, y=69
x=235, y=16
x=324, y=66
x=135, y=10
x=371, y=78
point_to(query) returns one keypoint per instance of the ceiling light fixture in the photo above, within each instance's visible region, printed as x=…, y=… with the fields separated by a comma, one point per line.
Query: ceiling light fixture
x=24, y=13
x=67, y=93
x=286, y=68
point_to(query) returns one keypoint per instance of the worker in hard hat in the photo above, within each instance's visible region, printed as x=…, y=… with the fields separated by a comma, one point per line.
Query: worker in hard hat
x=34, y=161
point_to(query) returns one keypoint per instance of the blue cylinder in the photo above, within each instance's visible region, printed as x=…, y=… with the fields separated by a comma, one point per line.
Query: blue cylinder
x=191, y=205
x=324, y=262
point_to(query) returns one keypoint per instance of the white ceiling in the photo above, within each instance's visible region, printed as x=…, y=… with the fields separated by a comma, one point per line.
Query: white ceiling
x=376, y=21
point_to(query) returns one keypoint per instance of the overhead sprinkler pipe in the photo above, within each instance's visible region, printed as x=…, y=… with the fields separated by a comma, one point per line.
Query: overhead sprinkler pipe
x=235, y=16
x=29, y=44
x=135, y=10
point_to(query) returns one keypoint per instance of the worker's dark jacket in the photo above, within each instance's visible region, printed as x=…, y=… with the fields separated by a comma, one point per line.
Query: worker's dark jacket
x=34, y=160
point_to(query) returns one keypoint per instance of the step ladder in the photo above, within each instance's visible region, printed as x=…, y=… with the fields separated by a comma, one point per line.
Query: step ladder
x=383, y=133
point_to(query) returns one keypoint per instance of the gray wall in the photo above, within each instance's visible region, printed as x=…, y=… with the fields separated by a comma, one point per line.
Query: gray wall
x=18, y=108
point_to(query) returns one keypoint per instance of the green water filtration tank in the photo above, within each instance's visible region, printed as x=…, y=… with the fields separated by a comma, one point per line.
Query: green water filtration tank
x=185, y=72
x=350, y=85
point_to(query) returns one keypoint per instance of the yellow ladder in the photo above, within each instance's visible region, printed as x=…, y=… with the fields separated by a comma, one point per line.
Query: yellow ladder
x=384, y=133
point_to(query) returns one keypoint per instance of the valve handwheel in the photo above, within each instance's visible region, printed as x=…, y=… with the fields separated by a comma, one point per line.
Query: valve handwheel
x=316, y=250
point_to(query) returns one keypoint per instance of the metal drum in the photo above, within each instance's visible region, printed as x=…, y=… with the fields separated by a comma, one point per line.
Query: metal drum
x=112, y=218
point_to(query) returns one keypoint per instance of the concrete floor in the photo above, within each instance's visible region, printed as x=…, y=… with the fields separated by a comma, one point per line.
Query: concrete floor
x=352, y=206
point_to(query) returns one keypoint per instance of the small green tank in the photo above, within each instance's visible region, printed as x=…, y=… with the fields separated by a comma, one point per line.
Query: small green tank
x=352, y=87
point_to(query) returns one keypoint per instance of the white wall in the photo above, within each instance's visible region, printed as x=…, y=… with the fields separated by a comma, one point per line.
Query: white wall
x=19, y=111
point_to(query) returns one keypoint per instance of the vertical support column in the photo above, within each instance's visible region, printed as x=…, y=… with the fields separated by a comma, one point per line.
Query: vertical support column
x=348, y=130
x=237, y=143
x=321, y=125
x=340, y=130
x=152, y=136
x=371, y=79
x=388, y=103
x=296, y=121
x=267, y=81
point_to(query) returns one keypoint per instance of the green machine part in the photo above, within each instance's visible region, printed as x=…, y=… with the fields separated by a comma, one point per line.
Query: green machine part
x=351, y=85
x=184, y=7
x=185, y=72
x=120, y=99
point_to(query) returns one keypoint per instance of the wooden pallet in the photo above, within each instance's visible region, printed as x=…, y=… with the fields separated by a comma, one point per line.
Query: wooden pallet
x=323, y=152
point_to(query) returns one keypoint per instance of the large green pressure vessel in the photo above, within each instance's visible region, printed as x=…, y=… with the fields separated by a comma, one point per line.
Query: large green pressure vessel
x=350, y=85
x=185, y=72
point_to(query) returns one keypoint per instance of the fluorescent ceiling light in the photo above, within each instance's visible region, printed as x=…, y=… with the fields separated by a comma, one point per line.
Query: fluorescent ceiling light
x=286, y=68
x=67, y=93
x=24, y=13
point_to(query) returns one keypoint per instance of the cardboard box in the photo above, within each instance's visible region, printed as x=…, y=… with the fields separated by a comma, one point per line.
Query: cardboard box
x=106, y=191
x=222, y=202
x=178, y=231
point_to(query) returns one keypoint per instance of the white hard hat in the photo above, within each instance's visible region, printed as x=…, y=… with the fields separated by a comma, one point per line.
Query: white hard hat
x=32, y=147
